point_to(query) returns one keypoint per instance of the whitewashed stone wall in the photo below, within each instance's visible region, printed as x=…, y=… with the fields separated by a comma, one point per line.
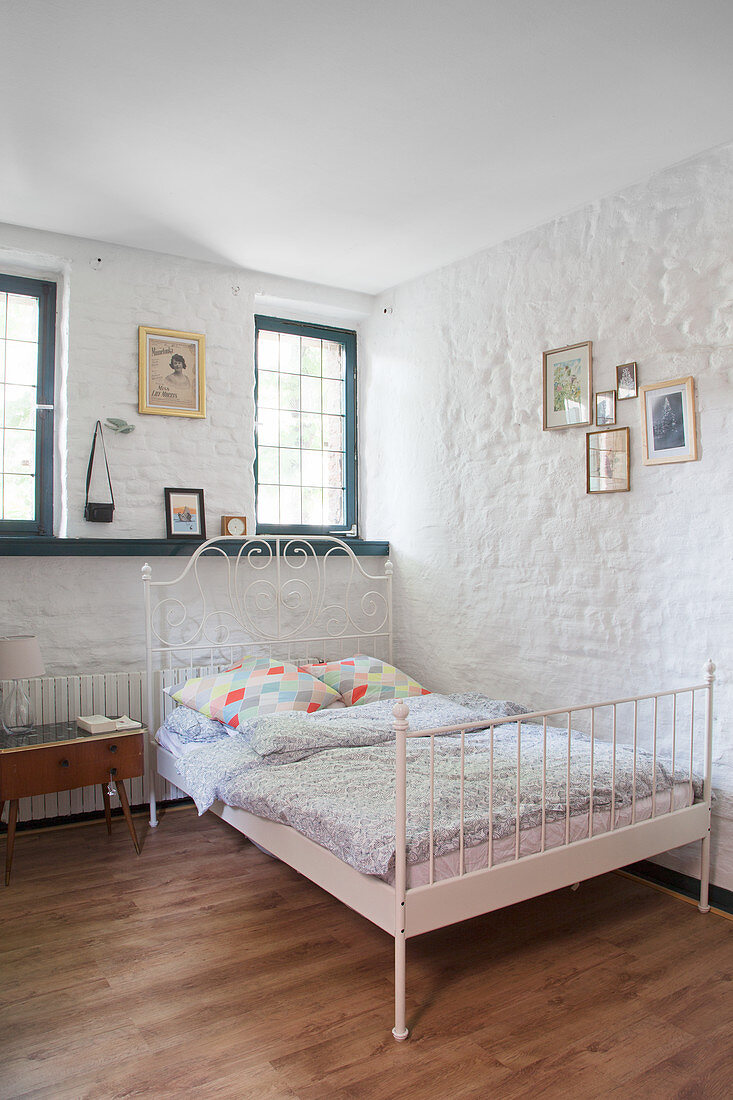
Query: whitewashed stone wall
x=508, y=576
x=88, y=611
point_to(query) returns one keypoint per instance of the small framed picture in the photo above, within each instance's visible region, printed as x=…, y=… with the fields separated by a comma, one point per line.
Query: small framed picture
x=171, y=372
x=606, y=407
x=626, y=381
x=567, y=386
x=184, y=514
x=668, y=422
x=607, y=461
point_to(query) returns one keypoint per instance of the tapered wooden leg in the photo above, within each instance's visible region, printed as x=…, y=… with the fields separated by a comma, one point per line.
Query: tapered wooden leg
x=107, y=808
x=12, y=818
x=126, y=811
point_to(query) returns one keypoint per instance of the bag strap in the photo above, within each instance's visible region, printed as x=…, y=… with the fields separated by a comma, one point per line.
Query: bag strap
x=98, y=429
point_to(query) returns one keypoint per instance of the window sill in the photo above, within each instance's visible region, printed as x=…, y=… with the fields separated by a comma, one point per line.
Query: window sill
x=41, y=546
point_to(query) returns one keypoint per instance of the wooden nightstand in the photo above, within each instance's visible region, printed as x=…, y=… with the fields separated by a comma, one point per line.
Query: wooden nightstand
x=60, y=758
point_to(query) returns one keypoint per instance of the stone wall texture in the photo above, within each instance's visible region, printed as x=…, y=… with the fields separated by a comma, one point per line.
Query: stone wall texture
x=508, y=576
x=88, y=611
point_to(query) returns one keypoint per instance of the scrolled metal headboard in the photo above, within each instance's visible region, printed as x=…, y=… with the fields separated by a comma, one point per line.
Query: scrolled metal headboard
x=284, y=596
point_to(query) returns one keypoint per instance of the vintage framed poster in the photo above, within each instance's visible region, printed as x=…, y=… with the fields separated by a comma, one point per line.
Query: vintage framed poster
x=567, y=386
x=607, y=461
x=171, y=372
x=668, y=421
x=184, y=514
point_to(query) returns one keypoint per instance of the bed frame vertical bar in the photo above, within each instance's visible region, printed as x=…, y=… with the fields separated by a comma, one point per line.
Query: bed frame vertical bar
x=388, y=570
x=674, y=751
x=703, y=905
x=147, y=574
x=567, y=781
x=400, y=712
x=518, y=791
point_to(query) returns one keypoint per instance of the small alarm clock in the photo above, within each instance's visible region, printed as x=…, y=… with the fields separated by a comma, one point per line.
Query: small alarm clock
x=234, y=525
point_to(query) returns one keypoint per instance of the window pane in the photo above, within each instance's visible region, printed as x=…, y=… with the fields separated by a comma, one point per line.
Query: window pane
x=333, y=359
x=268, y=350
x=290, y=505
x=333, y=396
x=268, y=507
x=21, y=362
x=310, y=389
x=313, y=507
x=3, y=312
x=267, y=465
x=333, y=507
x=267, y=389
x=289, y=353
x=311, y=356
x=20, y=452
x=20, y=407
x=333, y=469
x=289, y=391
x=333, y=439
x=268, y=423
x=311, y=425
x=19, y=497
x=312, y=468
x=289, y=429
x=22, y=322
x=290, y=467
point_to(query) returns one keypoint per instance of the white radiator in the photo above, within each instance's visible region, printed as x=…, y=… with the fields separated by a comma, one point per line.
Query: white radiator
x=63, y=699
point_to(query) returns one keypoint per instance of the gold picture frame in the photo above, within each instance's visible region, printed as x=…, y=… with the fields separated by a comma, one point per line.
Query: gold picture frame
x=171, y=372
x=669, y=429
x=567, y=386
x=607, y=461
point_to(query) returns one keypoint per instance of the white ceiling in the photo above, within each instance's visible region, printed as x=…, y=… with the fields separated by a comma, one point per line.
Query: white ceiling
x=355, y=143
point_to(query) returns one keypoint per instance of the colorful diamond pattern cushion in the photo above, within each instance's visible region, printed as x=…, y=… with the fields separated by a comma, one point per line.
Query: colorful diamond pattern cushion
x=256, y=686
x=361, y=679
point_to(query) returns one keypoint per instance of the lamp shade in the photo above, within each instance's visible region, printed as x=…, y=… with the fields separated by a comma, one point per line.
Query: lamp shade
x=20, y=658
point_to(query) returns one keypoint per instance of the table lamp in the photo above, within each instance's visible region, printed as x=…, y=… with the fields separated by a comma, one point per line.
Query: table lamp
x=20, y=659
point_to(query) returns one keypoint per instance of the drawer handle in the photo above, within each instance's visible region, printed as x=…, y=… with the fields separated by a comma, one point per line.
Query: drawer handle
x=64, y=763
x=113, y=748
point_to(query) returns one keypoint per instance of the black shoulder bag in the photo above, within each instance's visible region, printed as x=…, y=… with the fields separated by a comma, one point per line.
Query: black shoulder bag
x=98, y=513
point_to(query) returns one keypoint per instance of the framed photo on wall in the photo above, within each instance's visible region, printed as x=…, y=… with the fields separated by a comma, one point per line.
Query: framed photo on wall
x=668, y=422
x=606, y=407
x=626, y=381
x=607, y=461
x=171, y=372
x=567, y=386
x=184, y=514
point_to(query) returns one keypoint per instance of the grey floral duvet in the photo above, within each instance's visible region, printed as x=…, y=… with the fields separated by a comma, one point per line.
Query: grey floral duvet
x=331, y=776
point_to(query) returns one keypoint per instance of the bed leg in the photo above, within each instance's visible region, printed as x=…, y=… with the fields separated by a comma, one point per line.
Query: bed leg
x=400, y=711
x=399, y=1030
x=703, y=905
x=150, y=778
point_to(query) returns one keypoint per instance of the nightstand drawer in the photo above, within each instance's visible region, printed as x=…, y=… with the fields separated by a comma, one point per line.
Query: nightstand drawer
x=64, y=766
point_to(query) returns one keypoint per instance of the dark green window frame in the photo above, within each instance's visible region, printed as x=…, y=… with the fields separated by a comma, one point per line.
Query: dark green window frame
x=347, y=339
x=45, y=292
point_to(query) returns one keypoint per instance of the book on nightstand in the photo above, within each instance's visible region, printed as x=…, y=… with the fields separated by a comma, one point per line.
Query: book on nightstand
x=101, y=723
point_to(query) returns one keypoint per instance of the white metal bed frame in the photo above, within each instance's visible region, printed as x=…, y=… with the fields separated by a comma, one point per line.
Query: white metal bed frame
x=278, y=600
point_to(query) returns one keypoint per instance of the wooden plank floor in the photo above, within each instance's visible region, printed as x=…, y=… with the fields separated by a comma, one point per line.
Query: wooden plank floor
x=205, y=969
